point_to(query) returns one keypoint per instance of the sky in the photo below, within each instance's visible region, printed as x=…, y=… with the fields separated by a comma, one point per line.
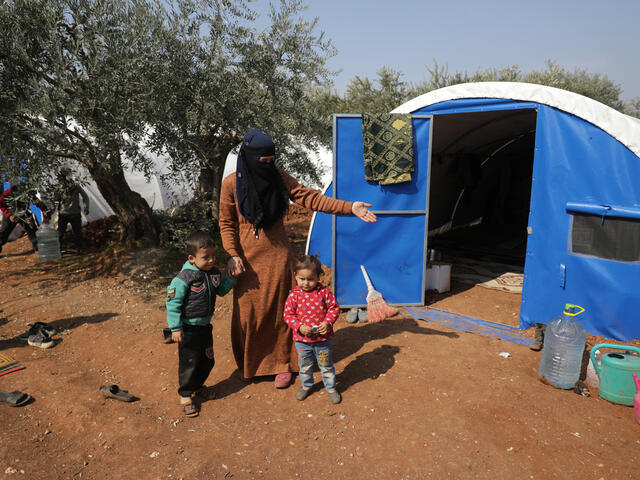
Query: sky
x=407, y=35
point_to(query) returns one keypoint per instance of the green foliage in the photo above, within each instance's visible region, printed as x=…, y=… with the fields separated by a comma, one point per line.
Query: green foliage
x=389, y=90
x=226, y=74
x=76, y=86
x=176, y=224
x=101, y=83
x=74, y=80
x=632, y=107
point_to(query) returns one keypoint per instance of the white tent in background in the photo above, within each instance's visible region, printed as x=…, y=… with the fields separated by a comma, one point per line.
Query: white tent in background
x=322, y=157
x=158, y=194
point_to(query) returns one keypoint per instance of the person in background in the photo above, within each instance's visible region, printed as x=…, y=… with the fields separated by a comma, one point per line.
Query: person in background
x=16, y=211
x=253, y=203
x=310, y=311
x=68, y=202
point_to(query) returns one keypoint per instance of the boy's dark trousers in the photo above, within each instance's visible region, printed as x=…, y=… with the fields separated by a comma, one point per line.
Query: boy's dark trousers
x=194, y=366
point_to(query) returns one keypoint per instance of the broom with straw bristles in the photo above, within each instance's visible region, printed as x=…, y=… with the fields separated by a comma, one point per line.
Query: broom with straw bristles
x=377, y=308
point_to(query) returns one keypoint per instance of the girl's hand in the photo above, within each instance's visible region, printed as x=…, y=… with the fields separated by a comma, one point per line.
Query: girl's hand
x=359, y=209
x=235, y=266
x=305, y=330
x=177, y=336
x=323, y=328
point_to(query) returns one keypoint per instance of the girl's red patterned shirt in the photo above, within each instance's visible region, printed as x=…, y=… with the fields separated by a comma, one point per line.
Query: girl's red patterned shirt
x=311, y=308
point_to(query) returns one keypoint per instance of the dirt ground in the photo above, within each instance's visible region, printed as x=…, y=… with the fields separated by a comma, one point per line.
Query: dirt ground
x=419, y=400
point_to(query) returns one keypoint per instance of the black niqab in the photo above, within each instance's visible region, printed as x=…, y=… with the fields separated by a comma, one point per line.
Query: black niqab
x=261, y=195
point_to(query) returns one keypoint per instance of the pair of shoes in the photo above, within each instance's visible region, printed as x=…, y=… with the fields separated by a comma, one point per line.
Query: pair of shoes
x=14, y=399
x=302, y=393
x=114, y=391
x=357, y=315
x=335, y=397
x=283, y=380
x=35, y=328
x=190, y=409
x=40, y=339
x=538, y=340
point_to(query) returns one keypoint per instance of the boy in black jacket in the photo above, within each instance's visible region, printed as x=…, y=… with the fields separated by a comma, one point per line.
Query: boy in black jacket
x=191, y=300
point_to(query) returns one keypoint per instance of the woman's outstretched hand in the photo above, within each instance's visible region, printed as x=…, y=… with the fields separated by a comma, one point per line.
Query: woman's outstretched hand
x=359, y=209
x=235, y=266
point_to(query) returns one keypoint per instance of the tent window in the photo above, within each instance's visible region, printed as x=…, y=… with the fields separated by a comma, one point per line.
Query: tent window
x=611, y=239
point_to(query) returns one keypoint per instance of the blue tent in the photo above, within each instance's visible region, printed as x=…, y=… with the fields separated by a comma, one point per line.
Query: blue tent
x=525, y=171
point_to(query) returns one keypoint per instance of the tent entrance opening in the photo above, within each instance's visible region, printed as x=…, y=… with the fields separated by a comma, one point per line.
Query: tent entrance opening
x=480, y=192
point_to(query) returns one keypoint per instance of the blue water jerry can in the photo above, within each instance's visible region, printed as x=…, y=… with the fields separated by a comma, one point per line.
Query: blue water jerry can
x=616, y=373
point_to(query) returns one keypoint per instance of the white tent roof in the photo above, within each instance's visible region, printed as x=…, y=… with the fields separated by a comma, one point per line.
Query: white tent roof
x=624, y=128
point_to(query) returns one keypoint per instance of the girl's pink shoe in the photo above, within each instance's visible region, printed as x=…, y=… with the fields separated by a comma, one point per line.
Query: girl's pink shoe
x=283, y=380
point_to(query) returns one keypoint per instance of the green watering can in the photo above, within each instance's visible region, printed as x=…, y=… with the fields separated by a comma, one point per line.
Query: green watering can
x=616, y=373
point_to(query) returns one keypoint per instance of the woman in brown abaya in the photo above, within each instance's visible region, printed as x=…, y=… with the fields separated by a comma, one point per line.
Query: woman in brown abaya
x=253, y=202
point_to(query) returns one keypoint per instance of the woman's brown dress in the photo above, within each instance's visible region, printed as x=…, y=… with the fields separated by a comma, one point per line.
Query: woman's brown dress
x=261, y=340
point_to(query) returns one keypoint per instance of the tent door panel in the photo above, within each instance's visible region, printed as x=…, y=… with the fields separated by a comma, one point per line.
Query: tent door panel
x=393, y=250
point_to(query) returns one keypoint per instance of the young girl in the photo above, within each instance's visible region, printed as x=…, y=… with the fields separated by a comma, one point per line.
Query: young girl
x=310, y=311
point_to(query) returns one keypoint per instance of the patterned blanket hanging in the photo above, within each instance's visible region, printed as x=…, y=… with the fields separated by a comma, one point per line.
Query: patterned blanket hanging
x=388, y=147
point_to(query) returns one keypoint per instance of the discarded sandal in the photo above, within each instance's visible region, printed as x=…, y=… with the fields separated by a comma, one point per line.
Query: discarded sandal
x=41, y=339
x=14, y=399
x=113, y=391
x=190, y=409
x=35, y=328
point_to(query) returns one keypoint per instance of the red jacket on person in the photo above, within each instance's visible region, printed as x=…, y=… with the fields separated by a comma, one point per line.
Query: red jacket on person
x=4, y=207
x=311, y=308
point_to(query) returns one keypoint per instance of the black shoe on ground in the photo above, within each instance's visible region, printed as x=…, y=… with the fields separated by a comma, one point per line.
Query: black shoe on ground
x=35, y=328
x=40, y=339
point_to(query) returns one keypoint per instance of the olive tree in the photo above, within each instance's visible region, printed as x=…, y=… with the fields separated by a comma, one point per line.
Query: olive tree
x=76, y=84
x=102, y=83
x=229, y=71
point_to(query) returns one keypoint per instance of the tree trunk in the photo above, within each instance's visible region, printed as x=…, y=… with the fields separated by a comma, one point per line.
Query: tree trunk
x=209, y=189
x=131, y=209
x=210, y=180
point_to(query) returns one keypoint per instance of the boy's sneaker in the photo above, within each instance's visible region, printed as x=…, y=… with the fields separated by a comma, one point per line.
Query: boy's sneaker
x=335, y=396
x=40, y=339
